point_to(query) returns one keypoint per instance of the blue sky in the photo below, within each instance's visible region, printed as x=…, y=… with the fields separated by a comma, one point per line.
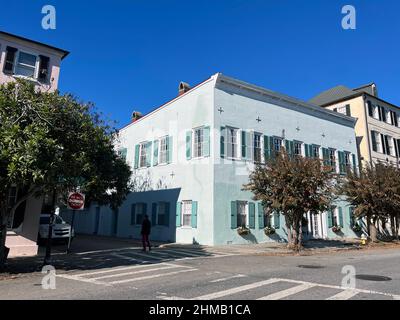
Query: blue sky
x=131, y=54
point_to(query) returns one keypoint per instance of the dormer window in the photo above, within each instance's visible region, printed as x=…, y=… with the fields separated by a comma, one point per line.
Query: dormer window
x=27, y=65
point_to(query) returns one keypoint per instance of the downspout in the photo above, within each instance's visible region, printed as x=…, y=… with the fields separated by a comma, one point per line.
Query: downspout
x=366, y=125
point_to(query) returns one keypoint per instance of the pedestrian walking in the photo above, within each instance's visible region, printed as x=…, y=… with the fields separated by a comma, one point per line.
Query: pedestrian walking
x=146, y=229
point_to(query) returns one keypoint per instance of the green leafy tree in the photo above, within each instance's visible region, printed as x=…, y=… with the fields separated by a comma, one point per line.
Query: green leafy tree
x=293, y=186
x=52, y=143
x=375, y=194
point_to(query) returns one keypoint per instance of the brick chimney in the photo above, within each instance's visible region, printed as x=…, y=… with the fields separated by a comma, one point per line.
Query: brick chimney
x=183, y=88
x=136, y=115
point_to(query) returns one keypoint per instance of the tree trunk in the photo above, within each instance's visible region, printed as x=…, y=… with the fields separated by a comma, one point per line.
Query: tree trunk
x=300, y=245
x=393, y=226
x=3, y=249
x=398, y=226
x=289, y=234
x=373, y=231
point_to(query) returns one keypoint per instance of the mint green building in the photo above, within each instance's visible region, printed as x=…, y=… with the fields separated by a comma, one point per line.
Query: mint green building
x=192, y=155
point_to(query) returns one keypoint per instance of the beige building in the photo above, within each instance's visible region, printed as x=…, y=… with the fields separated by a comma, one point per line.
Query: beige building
x=39, y=63
x=378, y=121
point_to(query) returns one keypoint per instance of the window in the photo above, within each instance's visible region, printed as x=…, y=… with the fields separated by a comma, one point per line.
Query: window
x=391, y=150
x=26, y=65
x=297, y=148
x=375, y=109
x=163, y=150
x=241, y=213
x=198, y=145
x=389, y=117
x=232, y=143
x=257, y=147
x=382, y=114
x=347, y=160
x=143, y=155
x=162, y=214
x=332, y=158
x=139, y=213
x=187, y=213
x=344, y=110
x=376, y=142
x=277, y=144
x=315, y=151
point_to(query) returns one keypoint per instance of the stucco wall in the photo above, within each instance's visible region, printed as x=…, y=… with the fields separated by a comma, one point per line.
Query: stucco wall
x=28, y=47
x=241, y=109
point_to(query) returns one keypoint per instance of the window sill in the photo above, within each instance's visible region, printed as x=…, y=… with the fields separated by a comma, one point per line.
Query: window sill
x=35, y=81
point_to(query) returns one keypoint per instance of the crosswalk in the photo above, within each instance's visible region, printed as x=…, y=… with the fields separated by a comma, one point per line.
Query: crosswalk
x=297, y=289
x=142, y=265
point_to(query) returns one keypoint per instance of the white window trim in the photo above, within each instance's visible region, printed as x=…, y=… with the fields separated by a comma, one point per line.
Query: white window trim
x=184, y=202
x=194, y=143
x=159, y=150
x=238, y=143
x=246, y=211
x=142, y=145
x=36, y=72
x=254, y=134
x=302, y=149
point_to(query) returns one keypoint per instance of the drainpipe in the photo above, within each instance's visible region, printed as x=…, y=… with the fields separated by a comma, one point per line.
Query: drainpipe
x=368, y=133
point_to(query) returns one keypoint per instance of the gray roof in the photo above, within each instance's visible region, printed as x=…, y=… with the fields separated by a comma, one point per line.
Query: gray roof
x=340, y=92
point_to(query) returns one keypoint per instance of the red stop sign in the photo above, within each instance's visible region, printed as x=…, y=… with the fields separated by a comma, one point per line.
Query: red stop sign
x=76, y=201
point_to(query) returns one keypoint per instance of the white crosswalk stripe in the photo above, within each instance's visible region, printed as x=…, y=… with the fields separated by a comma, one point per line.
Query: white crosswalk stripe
x=288, y=292
x=299, y=287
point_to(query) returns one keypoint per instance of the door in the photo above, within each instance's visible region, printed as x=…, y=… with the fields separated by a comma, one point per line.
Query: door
x=97, y=221
x=316, y=226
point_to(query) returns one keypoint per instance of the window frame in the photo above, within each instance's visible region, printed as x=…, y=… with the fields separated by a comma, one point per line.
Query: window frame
x=234, y=155
x=297, y=145
x=239, y=216
x=143, y=146
x=186, y=204
x=159, y=204
x=162, y=153
x=259, y=148
x=199, y=144
x=137, y=214
x=316, y=149
x=17, y=63
x=332, y=163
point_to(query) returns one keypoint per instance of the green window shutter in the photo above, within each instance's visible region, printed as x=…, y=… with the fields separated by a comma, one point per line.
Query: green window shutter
x=137, y=150
x=354, y=159
x=154, y=213
x=271, y=147
x=329, y=217
x=189, y=145
x=194, y=214
x=307, y=150
x=178, y=214
x=291, y=146
x=325, y=154
x=206, y=137
x=260, y=210
x=277, y=221
x=169, y=149
x=233, y=215
x=342, y=165
x=148, y=154
x=351, y=216
x=252, y=215
x=133, y=209
x=155, y=153
x=341, y=218
x=222, y=142
x=373, y=140
x=167, y=209
x=267, y=148
x=244, y=147
x=348, y=111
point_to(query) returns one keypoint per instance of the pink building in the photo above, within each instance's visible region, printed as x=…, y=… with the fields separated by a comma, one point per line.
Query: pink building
x=39, y=63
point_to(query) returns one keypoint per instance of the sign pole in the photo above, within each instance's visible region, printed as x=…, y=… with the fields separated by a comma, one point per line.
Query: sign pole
x=70, y=232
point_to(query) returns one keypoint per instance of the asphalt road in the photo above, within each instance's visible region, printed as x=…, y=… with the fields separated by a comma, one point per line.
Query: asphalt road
x=176, y=273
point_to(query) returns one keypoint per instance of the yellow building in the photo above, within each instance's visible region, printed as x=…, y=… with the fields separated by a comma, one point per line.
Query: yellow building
x=378, y=121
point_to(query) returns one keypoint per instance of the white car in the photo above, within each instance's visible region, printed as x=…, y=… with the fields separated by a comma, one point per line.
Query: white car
x=61, y=229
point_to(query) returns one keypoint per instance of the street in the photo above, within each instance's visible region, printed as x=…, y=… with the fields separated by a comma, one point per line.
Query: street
x=210, y=274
